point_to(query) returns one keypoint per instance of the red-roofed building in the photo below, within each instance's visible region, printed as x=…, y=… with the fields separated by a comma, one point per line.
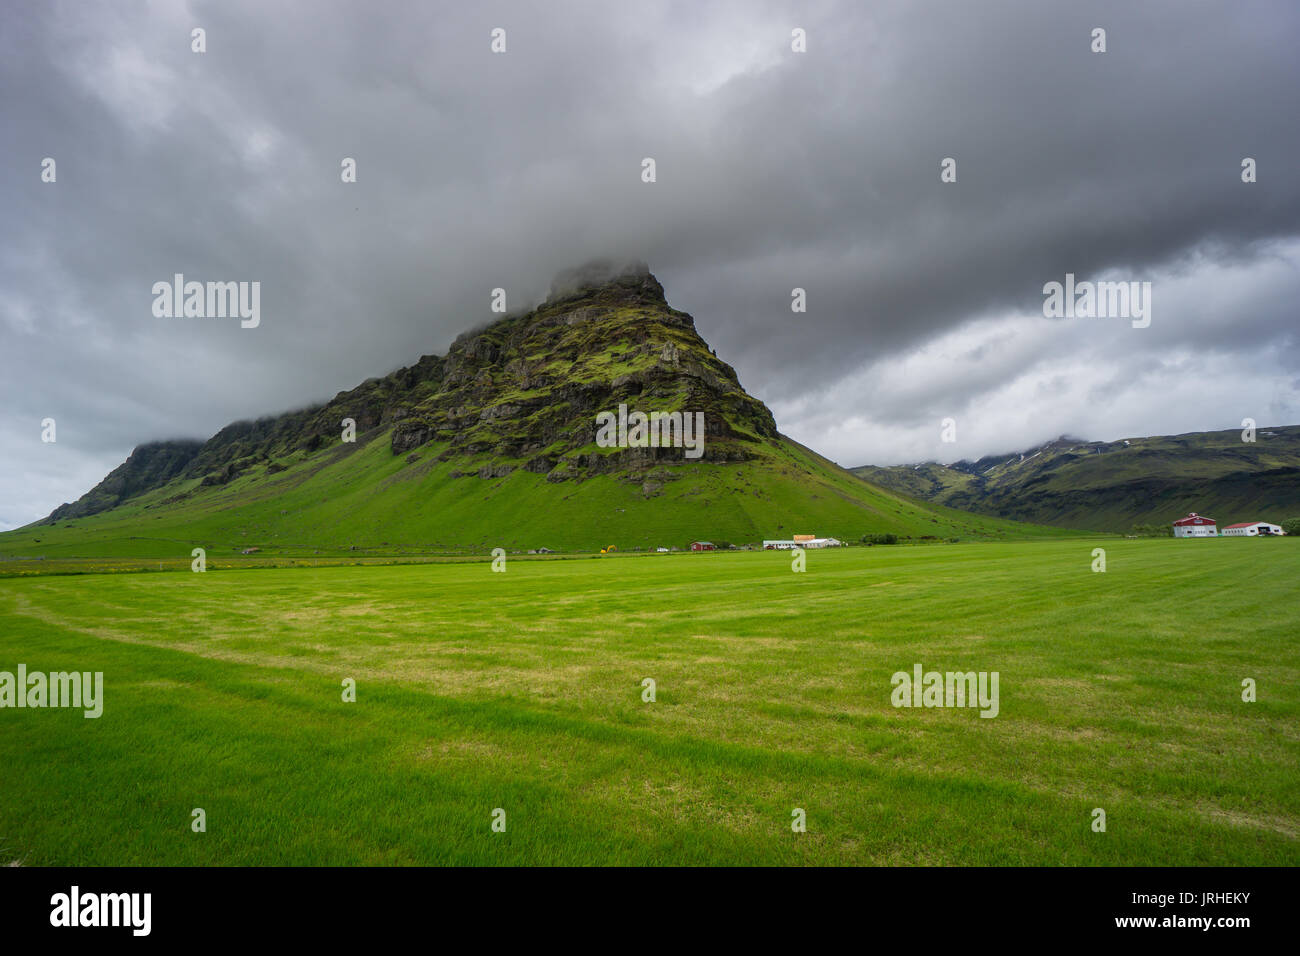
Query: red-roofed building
x=1251, y=528
x=1195, y=526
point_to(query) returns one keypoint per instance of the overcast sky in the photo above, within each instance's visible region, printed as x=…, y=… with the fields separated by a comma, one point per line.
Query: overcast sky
x=775, y=169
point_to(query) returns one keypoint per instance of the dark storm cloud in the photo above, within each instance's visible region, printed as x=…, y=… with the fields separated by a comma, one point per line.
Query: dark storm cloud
x=775, y=170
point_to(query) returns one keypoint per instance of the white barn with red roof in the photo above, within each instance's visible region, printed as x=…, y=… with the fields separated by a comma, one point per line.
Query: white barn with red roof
x=1250, y=528
x=1195, y=526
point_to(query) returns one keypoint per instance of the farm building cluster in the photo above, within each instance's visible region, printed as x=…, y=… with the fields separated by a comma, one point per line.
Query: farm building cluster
x=798, y=541
x=1199, y=526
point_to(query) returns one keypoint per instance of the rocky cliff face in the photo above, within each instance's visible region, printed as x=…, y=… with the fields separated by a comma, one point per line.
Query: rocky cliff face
x=522, y=392
x=525, y=391
x=149, y=466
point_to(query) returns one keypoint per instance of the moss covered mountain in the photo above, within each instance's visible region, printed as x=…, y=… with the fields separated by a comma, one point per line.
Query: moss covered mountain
x=1113, y=486
x=495, y=444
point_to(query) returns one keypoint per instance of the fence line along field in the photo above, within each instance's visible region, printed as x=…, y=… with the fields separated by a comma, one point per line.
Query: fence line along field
x=520, y=697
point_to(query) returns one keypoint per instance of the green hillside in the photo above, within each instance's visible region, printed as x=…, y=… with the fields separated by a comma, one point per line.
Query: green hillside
x=495, y=445
x=363, y=497
x=1112, y=486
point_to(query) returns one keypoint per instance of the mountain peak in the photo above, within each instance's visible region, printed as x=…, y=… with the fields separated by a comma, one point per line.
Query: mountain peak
x=519, y=394
x=629, y=280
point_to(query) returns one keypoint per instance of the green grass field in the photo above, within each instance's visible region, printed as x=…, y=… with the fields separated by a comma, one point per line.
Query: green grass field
x=523, y=691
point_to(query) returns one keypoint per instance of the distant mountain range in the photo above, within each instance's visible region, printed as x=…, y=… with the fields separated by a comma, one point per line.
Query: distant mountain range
x=1112, y=486
x=497, y=444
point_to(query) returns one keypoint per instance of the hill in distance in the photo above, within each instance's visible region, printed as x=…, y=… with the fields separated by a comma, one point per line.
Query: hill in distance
x=1112, y=486
x=495, y=444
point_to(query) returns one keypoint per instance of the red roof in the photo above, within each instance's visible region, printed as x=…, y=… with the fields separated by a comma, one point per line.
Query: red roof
x=1194, y=519
x=1245, y=524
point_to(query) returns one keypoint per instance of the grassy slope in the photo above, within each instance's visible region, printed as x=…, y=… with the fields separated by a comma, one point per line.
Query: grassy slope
x=1150, y=481
x=523, y=691
x=364, y=496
